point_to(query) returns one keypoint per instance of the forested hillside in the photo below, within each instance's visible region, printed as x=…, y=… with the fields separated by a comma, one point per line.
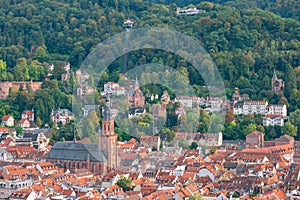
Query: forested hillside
x=284, y=8
x=246, y=44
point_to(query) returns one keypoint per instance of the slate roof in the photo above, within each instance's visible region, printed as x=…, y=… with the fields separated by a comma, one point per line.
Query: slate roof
x=76, y=151
x=30, y=135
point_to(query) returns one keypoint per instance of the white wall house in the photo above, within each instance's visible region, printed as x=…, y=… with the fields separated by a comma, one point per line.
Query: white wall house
x=277, y=109
x=186, y=101
x=62, y=115
x=8, y=120
x=273, y=119
x=114, y=88
x=255, y=107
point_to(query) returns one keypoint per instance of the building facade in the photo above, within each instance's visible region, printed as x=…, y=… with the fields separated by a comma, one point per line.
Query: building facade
x=28, y=115
x=108, y=140
x=114, y=88
x=255, y=107
x=136, y=98
x=273, y=119
x=150, y=141
x=255, y=140
x=277, y=84
x=8, y=120
x=62, y=115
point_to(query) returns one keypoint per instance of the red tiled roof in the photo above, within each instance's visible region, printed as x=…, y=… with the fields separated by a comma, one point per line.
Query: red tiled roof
x=3, y=130
x=27, y=112
x=5, y=117
x=22, y=121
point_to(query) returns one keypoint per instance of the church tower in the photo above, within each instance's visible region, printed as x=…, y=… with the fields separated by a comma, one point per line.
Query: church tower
x=136, y=99
x=107, y=140
x=277, y=84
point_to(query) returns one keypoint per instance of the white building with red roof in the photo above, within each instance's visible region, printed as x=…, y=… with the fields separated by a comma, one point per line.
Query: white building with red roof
x=24, y=123
x=8, y=120
x=28, y=115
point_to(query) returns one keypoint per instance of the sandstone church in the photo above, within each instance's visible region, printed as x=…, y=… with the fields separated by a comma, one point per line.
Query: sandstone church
x=98, y=157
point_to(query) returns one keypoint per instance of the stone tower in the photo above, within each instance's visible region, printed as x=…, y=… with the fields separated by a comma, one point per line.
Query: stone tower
x=277, y=84
x=107, y=141
x=136, y=99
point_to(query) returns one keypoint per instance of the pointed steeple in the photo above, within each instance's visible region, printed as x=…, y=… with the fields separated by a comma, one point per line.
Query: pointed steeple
x=274, y=75
x=107, y=112
x=137, y=86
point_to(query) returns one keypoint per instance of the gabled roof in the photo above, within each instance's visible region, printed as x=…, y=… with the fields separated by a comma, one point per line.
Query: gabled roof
x=30, y=135
x=76, y=151
x=132, y=141
x=6, y=117
x=22, y=121
x=279, y=194
x=284, y=138
x=255, y=133
x=27, y=112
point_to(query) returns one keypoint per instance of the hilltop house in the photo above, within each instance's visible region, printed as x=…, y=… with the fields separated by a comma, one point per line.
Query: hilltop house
x=214, y=104
x=28, y=115
x=186, y=101
x=251, y=107
x=255, y=107
x=277, y=109
x=273, y=119
x=114, y=88
x=236, y=96
x=189, y=11
x=24, y=123
x=62, y=115
x=136, y=99
x=8, y=120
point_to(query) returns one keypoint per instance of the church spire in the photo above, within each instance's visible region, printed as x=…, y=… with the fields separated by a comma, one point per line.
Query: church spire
x=107, y=111
x=137, y=86
x=274, y=75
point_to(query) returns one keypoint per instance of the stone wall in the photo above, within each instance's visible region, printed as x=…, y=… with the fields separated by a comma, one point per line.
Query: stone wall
x=6, y=86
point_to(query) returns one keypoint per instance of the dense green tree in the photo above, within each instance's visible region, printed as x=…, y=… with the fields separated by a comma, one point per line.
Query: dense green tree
x=229, y=116
x=204, y=121
x=183, y=144
x=124, y=183
x=167, y=134
x=3, y=72
x=249, y=129
x=193, y=146
x=289, y=129
x=290, y=81
x=196, y=197
x=59, y=70
x=232, y=131
x=41, y=54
